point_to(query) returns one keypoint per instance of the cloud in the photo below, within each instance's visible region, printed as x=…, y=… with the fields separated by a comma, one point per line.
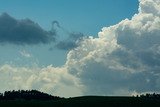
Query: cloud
x=23, y=32
x=25, y=54
x=27, y=32
x=57, y=23
x=71, y=42
x=124, y=59
x=53, y=80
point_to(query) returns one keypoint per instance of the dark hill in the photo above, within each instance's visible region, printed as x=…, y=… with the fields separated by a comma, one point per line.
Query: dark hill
x=148, y=100
x=26, y=95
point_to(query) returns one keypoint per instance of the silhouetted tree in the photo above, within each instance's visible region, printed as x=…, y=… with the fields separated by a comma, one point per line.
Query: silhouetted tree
x=1, y=96
x=27, y=95
x=150, y=96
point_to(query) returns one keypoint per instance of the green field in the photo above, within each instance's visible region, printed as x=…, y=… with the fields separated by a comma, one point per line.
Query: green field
x=87, y=101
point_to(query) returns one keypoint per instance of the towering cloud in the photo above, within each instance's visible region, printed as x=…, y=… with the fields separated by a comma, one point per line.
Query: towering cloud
x=22, y=32
x=125, y=58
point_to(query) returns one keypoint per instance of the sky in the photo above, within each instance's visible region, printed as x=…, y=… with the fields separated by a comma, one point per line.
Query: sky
x=75, y=48
x=86, y=17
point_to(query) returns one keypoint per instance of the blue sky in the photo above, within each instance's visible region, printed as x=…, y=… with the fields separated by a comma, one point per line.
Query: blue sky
x=75, y=15
x=86, y=16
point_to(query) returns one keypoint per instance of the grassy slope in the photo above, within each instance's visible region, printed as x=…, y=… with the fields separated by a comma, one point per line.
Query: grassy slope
x=90, y=101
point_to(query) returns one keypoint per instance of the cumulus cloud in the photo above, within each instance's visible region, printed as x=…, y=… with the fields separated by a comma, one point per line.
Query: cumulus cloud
x=56, y=81
x=124, y=58
x=23, y=32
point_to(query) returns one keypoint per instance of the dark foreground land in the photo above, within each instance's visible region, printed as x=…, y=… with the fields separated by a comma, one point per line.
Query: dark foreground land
x=86, y=101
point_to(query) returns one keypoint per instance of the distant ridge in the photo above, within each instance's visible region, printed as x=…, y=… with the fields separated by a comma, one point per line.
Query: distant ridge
x=34, y=98
x=27, y=95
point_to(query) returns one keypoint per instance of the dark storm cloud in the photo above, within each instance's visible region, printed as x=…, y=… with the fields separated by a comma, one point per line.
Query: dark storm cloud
x=23, y=32
x=71, y=42
x=27, y=32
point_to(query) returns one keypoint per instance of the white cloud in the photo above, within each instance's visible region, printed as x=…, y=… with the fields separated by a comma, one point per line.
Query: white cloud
x=125, y=57
x=25, y=54
x=56, y=81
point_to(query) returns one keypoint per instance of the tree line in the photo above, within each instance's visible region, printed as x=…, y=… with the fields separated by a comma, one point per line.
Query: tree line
x=27, y=95
x=151, y=96
x=37, y=95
